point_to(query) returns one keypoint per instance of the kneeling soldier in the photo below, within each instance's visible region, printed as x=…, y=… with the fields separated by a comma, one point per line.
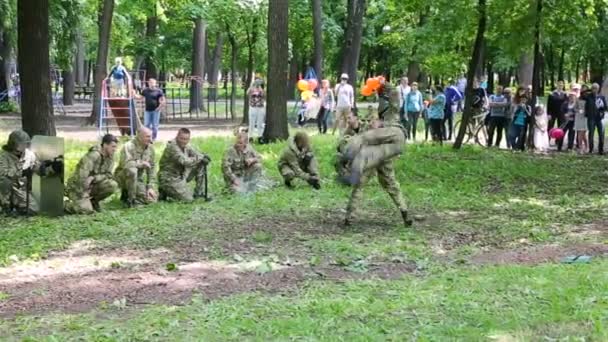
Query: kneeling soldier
x=136, y=173
x=179, y=165
x=92, y=181
x=17, y=165
x=298, y=161
x=242, y=167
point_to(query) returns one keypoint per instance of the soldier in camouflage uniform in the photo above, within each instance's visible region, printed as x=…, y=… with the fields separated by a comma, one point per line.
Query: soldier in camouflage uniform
x=355, y=125
x=136, y=173
x=242, y=167
x=298, y=161
x=17, y=164
x=179, y=165
x=374, y=151
x=92, y=181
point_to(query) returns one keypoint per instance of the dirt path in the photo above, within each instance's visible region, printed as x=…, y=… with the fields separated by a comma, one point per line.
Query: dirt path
x=83, y=278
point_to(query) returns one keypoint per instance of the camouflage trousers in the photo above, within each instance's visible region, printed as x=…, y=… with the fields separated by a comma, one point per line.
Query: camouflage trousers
x=13, y=195
x=136, y=189
x=386, y=178
x=95, y=191
x=308, y=165
x=250, y=180
x=178, y=189
x=371, y=149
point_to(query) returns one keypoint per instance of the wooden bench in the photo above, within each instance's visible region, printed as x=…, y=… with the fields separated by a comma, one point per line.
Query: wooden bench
x=83, y=92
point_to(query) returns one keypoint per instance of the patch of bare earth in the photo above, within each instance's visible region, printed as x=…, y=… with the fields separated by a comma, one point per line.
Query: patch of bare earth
x=79, y=281
x=539, y=254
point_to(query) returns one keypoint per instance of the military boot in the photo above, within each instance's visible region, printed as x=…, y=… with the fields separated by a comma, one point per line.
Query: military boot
x=124, y=196
x=407, y=222
x=288, y=184
x=162, y=196
x=96, y=206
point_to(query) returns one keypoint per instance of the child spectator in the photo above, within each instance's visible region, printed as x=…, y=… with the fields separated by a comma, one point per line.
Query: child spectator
x=541, y=137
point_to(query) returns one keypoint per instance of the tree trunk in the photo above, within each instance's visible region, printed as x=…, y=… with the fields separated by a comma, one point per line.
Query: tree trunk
x=293, y=76
x=278, y=55
x=101, y=66
x=526, y=67
x=503, y=78
x=468, y=112
x=536, y=79
x=79, y=59
x=207, y=54
x=550, y=64
x=5, y=57
x=233, y=57
x=34, y=67
x=151, y=29
x=87, y=71
x=68, y=87
x=215, y=66
x=198, y=65
x=317, y=26
x=352, y=42
x=490, y=70
x=560, y=70
x=479, y=68
x=252, y=38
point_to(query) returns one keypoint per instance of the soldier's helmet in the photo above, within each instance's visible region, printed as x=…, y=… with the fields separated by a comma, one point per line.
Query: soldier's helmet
x=17, y=138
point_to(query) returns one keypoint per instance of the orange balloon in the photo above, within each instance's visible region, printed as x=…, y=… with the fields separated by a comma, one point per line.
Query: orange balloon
x=372, y=83
x=312, y=84
x=366, y=91
x=303, y=85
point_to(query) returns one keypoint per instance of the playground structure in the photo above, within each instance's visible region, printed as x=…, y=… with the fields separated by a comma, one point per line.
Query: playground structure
x=120, y=109
x=215, y=100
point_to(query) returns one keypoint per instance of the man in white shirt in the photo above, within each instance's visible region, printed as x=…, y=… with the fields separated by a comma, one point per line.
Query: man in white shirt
x=345, y=102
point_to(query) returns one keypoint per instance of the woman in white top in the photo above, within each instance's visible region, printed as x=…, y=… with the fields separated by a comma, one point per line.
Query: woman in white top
x=327, y=105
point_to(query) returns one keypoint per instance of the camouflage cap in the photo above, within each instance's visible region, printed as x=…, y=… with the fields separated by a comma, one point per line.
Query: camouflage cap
x=16, y=138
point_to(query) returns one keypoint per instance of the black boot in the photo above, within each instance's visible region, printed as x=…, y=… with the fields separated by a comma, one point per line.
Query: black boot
x=124, y=196
x=406, y=221
x=162, y=196
x=96, y=206
x=288, y=184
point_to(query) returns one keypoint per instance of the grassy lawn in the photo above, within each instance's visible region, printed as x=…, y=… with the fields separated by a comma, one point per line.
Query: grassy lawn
x=475, y=202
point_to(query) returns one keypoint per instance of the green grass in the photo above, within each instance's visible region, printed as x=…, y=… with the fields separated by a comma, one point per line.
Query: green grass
x=473, y=199
x=549, y=302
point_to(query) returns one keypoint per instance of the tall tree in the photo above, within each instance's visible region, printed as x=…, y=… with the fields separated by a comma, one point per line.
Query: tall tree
x=473, y=62
x=198, y=66
x=34, y=66
x=106, y=12
x=216, y=62
x=352, y=40
x=233, y=58
x=80, y=59
x=151, y=34
x=252, y=39
x=7, y=40
x=317, y=28
x=278, y=54
x=536, y=79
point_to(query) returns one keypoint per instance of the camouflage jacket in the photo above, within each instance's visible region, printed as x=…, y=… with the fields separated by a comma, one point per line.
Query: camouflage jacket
x=293, y=158
x=133, y=155
x=234, y=163
x=12, y=166
x=175, y=161
x=93, y=164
